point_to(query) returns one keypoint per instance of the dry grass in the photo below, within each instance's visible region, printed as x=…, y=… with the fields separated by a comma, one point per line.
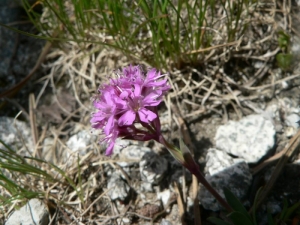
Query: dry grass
x=230, y=76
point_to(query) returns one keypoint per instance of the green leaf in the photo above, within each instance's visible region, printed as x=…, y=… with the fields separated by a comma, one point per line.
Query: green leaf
x=217, y=221
x=240, y=219
x=290, y=211
x=235, y=203
x=270, y=218
x=183, y=146
x=283, y=40
x=176, y=153
x=284, y=60
x=255, y=204
x=284, y=210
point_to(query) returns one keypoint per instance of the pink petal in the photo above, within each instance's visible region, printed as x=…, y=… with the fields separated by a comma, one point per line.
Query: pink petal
x=137, y=90
x=109, y=125
x=97, y=125
x=151, y=74
x=97, y=117
x=127, y=118
x=159, y=83
x=146, y=115
x=124, y=95
x=151, y=99
x=110, y=149
x=107, y=97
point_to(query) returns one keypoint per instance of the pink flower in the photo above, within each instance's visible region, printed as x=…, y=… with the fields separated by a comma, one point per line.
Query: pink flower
x=137, y=105
x=108, y=104
x=129, y=99
x=151, y=80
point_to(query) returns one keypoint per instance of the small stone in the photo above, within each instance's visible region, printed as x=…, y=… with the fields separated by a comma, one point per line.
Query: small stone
x=123, y=220
x=14, y=132
x=285, y=85
x=290, y=132
x=258, y=64
x=278, y=127
x=165, y=120
x=34, y=212
x=165, y=222
x=153, y=167
x=223, y=171
x=271, y=112
x=164, y=196
x=146, y=187
x=288, y=106
x=250, y=138
x=121, y=144
x=292, y=120
x=132, y=154
x=80, y=141
x=118, y=188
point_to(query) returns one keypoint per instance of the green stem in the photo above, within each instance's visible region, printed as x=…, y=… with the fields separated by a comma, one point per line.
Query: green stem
x=185, y=158
x=207, y=185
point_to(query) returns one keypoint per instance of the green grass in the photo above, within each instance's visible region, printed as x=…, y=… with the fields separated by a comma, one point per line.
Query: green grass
x=160, y=32
x=22, y=178
x=163, y=33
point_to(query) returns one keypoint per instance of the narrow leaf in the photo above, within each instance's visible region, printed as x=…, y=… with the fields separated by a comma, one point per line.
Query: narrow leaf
x=235, y=203
x=240, y=219
x=217, y=221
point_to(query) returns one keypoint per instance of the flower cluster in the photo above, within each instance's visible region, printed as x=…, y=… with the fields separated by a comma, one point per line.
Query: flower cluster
x=129, y=99
x=127, y=108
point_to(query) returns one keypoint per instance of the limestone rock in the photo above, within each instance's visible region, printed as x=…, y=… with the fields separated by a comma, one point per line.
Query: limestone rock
x=80, y=141
x=33, y=213
x=132, y=154
x=153, y=167
x=119, y=189
x=14, y=132
x=250, y=138
x=223, y=171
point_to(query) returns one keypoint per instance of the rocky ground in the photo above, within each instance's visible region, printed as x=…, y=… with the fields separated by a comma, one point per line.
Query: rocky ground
x=241, y=111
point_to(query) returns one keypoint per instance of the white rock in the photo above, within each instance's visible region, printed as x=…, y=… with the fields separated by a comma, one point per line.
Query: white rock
x=164, y=196
x=165, y=222
x=13, y=133
x=288, y=106
x=80, y=141
x=33, y=213
x=292, y=120
x=165, y=121
x=271, y=112
x=223, y=171
x=123, y=221
x=258, y=64
x=153, y=167
x=295, y=48
x=146, y=187
x=118, y=188
x=132, y=154
x=120, y=145
x=217, y=161
x=290, y=132
x=284, y=85
x=250, y=138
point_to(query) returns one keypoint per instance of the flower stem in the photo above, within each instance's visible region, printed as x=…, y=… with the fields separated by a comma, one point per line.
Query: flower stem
x=185, y=158
x=207, y=185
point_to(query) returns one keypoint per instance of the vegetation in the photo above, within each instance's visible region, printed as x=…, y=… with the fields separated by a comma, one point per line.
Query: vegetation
x=221, y=55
